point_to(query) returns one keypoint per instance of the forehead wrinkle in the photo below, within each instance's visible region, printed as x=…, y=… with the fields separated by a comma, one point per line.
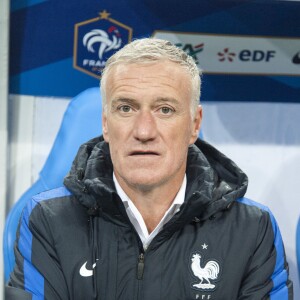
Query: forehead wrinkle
x=120, y=88
x=120, y=73
x=123, y=83
x=144, y=77
x=167, y=76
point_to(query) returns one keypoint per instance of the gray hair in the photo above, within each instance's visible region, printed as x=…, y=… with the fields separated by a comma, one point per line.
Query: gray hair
x=149, y=50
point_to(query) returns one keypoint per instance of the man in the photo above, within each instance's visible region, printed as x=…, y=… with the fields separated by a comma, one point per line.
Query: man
x=149, y=211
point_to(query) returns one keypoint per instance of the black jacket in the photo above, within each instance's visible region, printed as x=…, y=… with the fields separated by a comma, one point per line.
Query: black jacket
x=76, y=242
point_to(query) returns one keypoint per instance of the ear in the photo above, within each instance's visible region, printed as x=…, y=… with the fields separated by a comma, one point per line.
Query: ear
x=105, y=127
x=196, y=125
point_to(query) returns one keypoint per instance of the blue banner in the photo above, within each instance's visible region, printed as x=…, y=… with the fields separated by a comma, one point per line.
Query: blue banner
x=58, y=48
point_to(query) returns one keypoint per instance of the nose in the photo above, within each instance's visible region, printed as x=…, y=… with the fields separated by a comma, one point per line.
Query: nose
x=145, y=127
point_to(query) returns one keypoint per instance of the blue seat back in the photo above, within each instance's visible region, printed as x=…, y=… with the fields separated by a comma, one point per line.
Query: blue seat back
x=81, y=122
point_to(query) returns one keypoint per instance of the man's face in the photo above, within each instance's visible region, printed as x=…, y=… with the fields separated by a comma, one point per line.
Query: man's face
x=148, y=123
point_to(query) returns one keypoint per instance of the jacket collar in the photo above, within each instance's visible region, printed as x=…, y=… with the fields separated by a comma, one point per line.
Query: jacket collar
x=214, y=182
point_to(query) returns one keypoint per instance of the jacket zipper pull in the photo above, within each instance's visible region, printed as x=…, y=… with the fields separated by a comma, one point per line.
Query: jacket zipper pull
x=141, y=265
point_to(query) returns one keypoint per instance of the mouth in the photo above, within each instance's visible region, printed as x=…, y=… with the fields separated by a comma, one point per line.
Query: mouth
x=143, y=153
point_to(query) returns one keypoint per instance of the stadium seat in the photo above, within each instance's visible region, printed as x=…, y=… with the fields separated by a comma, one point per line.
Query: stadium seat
x=81, y=122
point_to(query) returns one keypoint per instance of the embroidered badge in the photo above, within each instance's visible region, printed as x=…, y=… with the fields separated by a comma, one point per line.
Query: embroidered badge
x=206, y=274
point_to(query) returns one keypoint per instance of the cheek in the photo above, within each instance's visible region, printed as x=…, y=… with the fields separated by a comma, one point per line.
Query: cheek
x=111, y=132
x=117, y=143
x=179, y=143
x=115, y=155
x=183, y=135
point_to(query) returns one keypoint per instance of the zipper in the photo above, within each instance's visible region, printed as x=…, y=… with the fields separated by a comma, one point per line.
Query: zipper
x=141, y=266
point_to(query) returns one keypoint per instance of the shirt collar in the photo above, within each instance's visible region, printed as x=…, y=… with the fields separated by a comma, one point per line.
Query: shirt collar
x=178, y=200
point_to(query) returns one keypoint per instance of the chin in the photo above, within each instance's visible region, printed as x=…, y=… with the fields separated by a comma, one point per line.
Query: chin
x=144, y=181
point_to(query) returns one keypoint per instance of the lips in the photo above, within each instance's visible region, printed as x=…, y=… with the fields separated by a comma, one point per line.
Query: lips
x=143, y=153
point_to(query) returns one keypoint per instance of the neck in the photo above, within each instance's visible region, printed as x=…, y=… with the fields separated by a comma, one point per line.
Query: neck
x=152, y=203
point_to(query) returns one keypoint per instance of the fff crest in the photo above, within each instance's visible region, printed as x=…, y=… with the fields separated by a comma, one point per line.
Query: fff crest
x=95, y=40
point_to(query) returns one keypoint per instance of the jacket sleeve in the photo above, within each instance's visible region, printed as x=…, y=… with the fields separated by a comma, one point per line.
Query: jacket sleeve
x=267, y=275
x=37, y=274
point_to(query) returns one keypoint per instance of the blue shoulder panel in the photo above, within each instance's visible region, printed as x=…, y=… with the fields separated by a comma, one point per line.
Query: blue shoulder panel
x=33, y=280
x=279, y=276
x=51, y=194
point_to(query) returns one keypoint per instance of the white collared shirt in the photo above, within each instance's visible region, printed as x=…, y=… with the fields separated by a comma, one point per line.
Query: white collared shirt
x=136, y=218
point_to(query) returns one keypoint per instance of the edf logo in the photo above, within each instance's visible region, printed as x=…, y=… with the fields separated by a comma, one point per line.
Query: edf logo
x=246, y=55
x=256, y=55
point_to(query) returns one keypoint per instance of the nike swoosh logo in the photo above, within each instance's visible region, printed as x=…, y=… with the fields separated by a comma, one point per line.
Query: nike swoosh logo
x=296, y=58
x=85, y=272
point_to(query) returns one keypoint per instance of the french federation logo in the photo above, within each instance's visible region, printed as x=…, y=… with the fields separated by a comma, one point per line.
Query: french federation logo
x=96, y=40
x=206, y=274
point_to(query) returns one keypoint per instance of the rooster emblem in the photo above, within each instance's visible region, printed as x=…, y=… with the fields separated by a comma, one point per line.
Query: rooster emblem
x=209, y=272
x=101, y=37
